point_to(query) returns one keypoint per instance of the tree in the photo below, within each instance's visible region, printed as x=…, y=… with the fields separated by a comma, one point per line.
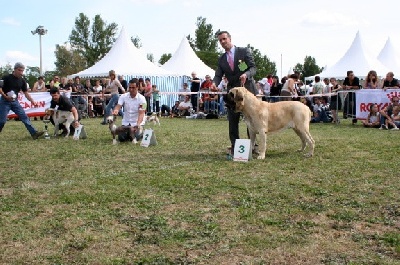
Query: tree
x=263, y=64
x=164, y=58
x=68, y=61
x=205, y=43
x=92, y=42
x=309, y=68
x=5, y=70
x=136, y=41
x=150, y=57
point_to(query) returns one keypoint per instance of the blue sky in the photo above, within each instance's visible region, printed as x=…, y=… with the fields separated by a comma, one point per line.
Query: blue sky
x=293, y=29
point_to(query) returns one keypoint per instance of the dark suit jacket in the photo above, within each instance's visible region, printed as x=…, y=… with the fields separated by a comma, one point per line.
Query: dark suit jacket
x=244, y=55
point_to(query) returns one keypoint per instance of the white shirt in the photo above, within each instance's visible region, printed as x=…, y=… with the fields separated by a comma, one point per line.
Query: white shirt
x=186, y=104
x=131, y=108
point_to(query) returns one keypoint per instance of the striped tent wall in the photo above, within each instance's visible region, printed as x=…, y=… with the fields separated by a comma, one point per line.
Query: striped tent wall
x=165, y=84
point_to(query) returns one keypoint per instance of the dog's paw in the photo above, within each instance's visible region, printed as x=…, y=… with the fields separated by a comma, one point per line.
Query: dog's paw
x=261, y=157
x=114, y=141
x=134, y=141
x=308, y=155
x=75, y=137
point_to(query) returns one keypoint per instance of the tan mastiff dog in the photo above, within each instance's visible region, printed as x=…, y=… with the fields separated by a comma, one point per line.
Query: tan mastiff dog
x=262, y=117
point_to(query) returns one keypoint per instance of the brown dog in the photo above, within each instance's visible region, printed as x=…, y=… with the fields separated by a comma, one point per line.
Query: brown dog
x=262, y=117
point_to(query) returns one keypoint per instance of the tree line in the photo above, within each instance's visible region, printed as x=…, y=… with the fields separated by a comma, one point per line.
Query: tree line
x=89, y=41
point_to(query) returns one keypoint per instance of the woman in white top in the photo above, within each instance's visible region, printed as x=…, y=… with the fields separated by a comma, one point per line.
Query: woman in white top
x=288, y=90
x=40, y=85
x=112, y=88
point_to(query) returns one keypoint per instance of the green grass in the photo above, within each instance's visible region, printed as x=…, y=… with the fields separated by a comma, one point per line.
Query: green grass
x=181, y=202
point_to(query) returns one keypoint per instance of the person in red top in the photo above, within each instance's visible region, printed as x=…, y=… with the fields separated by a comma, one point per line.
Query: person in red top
x=209, y=100
x=148, y=92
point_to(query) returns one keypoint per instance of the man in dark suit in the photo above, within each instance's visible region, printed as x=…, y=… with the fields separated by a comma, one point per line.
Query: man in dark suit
x=237, y=64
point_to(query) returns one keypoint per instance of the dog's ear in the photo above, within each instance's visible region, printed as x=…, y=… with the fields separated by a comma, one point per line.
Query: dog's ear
x=238, y=95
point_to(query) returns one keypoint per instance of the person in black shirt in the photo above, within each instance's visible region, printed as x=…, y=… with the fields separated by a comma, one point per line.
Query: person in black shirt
x=65, y=104
x=194, y=87
x=351, y=82
x=12, y=85
x=390, y=81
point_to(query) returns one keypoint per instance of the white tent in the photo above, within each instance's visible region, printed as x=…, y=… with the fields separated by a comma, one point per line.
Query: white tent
x=389, y=57
x=125, y=59
x=184, y=61
x=356, y=59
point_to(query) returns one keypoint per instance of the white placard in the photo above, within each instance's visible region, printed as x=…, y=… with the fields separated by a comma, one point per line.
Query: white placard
x=242, y=150
x=149, y=138
x=80, y=133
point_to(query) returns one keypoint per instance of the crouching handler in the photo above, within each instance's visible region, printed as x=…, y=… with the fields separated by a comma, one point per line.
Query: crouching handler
x=133, y=113
x=65, y=104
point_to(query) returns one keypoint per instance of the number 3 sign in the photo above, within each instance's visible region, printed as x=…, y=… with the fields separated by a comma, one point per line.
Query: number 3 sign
x=242, y=151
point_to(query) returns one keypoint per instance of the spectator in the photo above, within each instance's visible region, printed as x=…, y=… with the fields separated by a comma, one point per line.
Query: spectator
x=327, y=86
x=97, y=87
x=185, y=107
x=209, y=100
x=270, y=79
x=194, y=87
x=142, y=86
x=175, y=109
x=123, y=82
x=288, y=89
x=373, y=119
x=371, y=81
x=390, y=81
x=396, y=116
x=335, y=100
x=156, y=99
x=66, y=86
x=275, y=90
x=112, y=87
x=88, y=87
x=319, y=111
x=387, y=112
x=39, y=85
x=318, y=87
x=183, y=91
x=351, y=82
x=148, y=93
x=79, y=99
x=222, y=87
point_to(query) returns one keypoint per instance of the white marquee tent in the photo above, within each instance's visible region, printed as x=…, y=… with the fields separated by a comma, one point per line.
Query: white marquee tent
x=389, y=57
x=125, y=59
x=357, y=59
x=184, y=61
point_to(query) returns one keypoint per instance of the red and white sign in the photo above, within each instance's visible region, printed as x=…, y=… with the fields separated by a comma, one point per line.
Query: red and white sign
x=42, y=99
x=366, y=97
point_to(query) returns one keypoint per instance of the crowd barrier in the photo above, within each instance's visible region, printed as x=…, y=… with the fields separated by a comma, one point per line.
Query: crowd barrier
x=364, y=98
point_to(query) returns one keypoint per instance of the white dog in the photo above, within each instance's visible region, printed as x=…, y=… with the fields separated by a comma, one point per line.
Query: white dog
x=262, y=118
x=153, y=118
x=60, y=117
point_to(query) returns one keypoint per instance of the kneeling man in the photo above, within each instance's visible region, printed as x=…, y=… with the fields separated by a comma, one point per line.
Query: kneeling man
x=64, y=104
x=133, y=120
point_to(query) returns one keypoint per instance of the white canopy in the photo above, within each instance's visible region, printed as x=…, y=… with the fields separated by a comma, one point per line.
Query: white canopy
x=125, y=59
x=389, y=57
x=184, y=61
x=356, y=59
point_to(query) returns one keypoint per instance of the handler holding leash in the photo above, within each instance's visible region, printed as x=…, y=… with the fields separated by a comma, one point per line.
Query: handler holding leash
x=237, y=64
x=65, y=104
x=12, y=85
x=134, y=111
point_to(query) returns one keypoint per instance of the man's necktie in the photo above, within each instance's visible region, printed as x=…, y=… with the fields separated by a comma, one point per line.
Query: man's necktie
x=230, y=59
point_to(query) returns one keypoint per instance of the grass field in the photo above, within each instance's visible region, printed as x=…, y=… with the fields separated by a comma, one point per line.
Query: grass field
x=181, y=202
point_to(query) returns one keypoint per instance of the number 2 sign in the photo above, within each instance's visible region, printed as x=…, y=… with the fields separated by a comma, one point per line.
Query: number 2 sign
x=149, y=138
